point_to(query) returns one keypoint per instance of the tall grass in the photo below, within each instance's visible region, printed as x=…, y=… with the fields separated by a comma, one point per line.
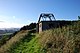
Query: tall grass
x=28, y=44
x=12, y=41
x=61, y=40
x=58, y=40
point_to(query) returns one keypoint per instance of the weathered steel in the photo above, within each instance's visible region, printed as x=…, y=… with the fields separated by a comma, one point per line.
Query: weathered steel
x=46, y=15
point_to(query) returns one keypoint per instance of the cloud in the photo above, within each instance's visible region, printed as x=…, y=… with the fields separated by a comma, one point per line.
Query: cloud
x=1, y=21
x=14, y=17
x=10, y=25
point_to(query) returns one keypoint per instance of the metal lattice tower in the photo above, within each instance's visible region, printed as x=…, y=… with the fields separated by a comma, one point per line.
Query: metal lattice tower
x=46, y=15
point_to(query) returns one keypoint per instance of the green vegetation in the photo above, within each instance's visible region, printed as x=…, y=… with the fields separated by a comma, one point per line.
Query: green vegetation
x=28, y=44
x=29, y=27
x=23, y=47
x=62, y=40
x=78, y=17
x=58, y=40
x=3, y=39
x=6, y=47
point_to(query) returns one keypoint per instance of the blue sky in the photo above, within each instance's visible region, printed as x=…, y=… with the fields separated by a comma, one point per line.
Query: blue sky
x=17, y=13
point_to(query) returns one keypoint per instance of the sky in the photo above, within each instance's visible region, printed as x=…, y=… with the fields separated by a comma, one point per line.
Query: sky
x=17, y=13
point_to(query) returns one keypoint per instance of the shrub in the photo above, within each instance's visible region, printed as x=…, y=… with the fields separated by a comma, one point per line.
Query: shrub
x=29, y=27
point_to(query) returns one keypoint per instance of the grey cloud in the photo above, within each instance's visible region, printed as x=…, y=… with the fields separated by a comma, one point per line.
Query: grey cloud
x=1, y=21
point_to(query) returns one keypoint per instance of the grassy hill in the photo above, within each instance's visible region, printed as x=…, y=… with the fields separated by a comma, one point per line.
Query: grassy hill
x=58, y=40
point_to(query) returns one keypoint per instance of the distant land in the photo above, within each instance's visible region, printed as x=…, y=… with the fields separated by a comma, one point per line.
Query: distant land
x=4, y=31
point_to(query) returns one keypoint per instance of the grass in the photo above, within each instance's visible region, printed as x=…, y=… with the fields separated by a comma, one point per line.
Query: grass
x=5, y=48
x=29, y=44
x=61, y=40
x=58, y=40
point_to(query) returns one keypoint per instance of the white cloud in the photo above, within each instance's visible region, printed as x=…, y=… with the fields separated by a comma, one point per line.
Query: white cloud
x=10, y=25
x=14, y=17
x=66, y=19
x=12, y=21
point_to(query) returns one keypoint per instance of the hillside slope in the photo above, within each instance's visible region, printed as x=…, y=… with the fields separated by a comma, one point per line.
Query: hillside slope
x=5, y=48
x=58, y=40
